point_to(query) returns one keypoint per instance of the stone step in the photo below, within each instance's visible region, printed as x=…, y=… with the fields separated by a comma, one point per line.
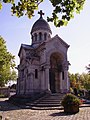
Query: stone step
x=52, y=100
x=44, y=108
x=54, y=97
x=47, y=105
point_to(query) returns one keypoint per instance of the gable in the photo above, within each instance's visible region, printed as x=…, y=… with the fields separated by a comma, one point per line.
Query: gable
x=22, y=53
x=57, y=43
x=25, y=47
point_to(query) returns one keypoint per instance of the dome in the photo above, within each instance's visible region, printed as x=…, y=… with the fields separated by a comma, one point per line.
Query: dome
x=41, y=24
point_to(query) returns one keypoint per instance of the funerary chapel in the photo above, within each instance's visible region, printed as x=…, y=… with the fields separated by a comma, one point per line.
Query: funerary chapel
x=43, y=64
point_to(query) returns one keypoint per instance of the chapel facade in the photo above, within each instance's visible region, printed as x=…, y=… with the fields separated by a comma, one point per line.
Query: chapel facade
x=43, y=64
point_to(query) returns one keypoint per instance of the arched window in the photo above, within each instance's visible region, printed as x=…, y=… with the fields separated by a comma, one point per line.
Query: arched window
x=40, y=36
x=45, y=36
x=35, y=36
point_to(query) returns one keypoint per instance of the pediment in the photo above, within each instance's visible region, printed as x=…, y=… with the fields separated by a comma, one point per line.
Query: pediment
x=56, y=41
x=57, y=44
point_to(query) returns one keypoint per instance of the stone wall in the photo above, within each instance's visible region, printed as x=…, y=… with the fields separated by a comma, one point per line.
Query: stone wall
x=4, y=92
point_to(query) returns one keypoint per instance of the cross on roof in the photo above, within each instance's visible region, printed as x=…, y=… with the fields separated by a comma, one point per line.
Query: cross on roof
x=41, y=13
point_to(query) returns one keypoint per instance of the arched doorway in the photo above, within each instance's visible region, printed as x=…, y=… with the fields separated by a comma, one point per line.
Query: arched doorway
x=56, y=60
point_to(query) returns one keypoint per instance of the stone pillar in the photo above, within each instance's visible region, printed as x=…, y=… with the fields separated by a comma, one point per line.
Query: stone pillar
x=42, y=36
x=42, y=80
x=24, y=81
x=32, y=83
x=61, y=87
x=37, y=36
x=47, y=79
x=66, y=80
x=18, y=80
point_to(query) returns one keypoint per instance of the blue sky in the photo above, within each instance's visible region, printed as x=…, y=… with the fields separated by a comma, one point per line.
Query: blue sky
x=16, y=31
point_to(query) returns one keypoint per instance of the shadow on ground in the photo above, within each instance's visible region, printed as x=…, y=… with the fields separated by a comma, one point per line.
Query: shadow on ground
x=5, y=105
x=61, y=113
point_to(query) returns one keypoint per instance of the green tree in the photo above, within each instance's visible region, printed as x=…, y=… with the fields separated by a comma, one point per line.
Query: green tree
x=80, y=81
x=72, y=80
x=63, y=10
x=7, y=63
x=86, y=81
x=13, y=75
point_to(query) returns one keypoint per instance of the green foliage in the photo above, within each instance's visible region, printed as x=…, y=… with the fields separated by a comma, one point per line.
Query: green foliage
x=6, y=64
x=63, y=10
x=2, y=95
x=70, y=99
x=80, y=81
x=13, y=75
x=25, y=7
x=0, y=6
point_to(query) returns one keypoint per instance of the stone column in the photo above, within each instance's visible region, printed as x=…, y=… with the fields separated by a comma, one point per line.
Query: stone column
x=32, y=82
x=24, y=81
x=18, y=81
x=61, y=87
x=47, y=78
x=42, y=80
x=65, y=81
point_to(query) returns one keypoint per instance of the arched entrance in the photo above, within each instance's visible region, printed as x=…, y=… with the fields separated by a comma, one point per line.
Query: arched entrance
x=54, y=72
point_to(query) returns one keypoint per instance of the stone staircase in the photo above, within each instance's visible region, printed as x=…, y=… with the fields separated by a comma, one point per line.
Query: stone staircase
x=49, y=101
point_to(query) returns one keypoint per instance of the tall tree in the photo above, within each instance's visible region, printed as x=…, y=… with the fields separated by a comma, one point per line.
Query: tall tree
x=7, y=63
x=63, y=10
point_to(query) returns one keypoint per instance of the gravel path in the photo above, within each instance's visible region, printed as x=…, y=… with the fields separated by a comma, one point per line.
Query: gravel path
x=12, y=112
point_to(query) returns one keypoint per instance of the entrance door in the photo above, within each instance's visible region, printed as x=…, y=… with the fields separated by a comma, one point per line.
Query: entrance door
x=52, y=81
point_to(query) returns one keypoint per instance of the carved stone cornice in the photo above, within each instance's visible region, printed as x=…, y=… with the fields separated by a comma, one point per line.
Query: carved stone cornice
x=65, y=65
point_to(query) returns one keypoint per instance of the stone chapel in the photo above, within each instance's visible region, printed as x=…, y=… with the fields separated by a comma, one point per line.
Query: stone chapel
x=43, y=64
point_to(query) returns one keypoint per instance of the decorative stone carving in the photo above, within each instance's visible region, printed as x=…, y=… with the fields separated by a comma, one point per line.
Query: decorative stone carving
x=65, y=65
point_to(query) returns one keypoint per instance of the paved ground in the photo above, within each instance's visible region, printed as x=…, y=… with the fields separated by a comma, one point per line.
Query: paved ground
x=12, y=112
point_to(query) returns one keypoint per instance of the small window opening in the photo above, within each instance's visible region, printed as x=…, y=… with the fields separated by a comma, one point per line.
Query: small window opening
x=36, y=73
x=63, y=75
x=40, y=36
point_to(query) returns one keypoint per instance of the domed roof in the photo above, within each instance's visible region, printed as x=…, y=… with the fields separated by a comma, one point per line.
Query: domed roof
x=41, y=24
